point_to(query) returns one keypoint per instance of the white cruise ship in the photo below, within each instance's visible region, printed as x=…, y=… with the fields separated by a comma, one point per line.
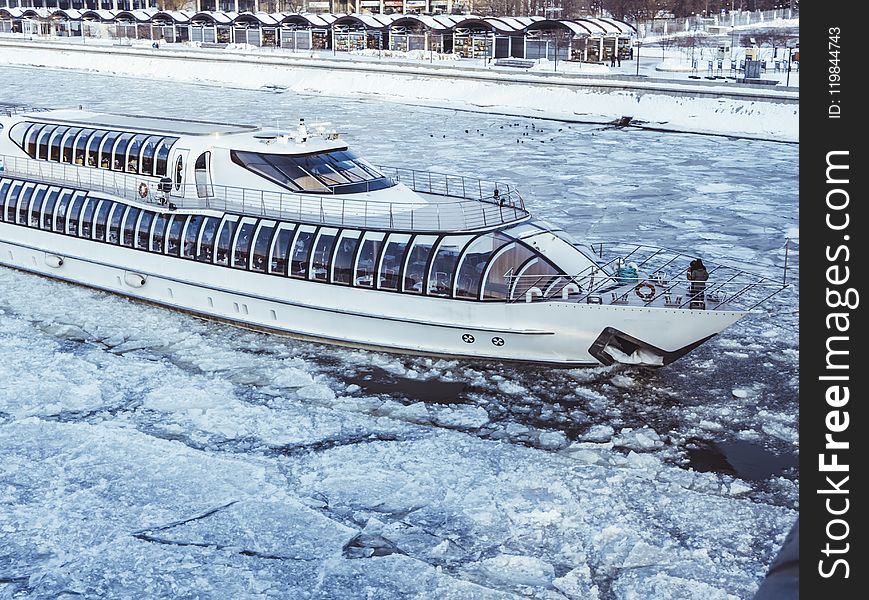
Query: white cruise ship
x=293, y=233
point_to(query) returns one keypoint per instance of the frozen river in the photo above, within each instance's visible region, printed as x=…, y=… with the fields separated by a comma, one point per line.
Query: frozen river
x=145, y=453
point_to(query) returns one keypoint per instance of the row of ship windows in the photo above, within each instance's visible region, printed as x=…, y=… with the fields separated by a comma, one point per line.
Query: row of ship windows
x=139, y=153
x=463, y=266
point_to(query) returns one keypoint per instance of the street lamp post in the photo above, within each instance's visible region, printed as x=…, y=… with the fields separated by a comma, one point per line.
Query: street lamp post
x=639, y=44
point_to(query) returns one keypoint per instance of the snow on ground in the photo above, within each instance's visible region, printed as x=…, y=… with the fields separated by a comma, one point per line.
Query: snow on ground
x=668, y=105
x=144, y=453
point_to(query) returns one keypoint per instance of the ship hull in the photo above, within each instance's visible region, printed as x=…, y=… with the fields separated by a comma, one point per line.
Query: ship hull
x=558, y=333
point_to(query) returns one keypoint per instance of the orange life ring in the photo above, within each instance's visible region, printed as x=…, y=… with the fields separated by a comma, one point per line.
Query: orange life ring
x=143, y=190
x=644, y=285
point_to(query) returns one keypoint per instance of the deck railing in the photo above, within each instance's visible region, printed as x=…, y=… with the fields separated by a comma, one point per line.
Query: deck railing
x=661, y=280
x=450, y=202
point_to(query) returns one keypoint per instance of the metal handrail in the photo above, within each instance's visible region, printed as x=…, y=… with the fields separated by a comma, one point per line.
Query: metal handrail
x=445, y=212
x=728, y=287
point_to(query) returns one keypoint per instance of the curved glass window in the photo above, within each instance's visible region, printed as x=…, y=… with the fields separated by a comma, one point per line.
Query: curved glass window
x=42, y=142
x=279, y=261
x=321, y=261
x=119, y=152
x=337, y=171
x=173, y=240
x=536, y=273
x=391, y=261
x=149, y=150
x=67, y=145
x=24, y=203
x=301, y=251
x=417, y=261
x=30, y=137
x=502, y=270
x=158, y=232
x=469, y=277
x=206, y=240
x=128, y=229
x=48, y=209
x=162, y=159
x=18, y=134
x=93, y=148
x=190, y=235
x=369, y=253
x=101, y=219
x=261, y=246
x=443, y=267
x=345, y=250
x=143, y=230
x=36, y=206
x=5, y=184
x=106, y=144
x=74, y=214
x=60, y=211
x=114, y=234
x=243, y=241
x=134, y=148
x=54, y=143
x=224, y=240
x=79, y=146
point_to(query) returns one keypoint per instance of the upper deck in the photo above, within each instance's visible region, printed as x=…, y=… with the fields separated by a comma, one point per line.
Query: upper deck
x=140, y=159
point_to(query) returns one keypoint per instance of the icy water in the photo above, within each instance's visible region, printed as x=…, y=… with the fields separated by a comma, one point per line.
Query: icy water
x=145, y=454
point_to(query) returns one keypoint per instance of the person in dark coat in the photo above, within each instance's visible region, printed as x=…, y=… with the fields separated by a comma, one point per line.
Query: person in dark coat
x=697, y=275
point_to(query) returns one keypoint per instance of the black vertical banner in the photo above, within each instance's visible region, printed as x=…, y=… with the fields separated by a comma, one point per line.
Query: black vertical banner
x=833, y=371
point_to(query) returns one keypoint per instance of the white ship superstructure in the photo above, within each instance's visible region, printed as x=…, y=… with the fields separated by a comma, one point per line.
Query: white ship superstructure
x=293, y=233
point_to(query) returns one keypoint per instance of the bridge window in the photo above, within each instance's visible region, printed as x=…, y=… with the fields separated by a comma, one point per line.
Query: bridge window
x=149, y=151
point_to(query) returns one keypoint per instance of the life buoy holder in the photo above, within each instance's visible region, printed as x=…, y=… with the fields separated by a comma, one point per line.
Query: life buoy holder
x=641, y=290
x=143, y=190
